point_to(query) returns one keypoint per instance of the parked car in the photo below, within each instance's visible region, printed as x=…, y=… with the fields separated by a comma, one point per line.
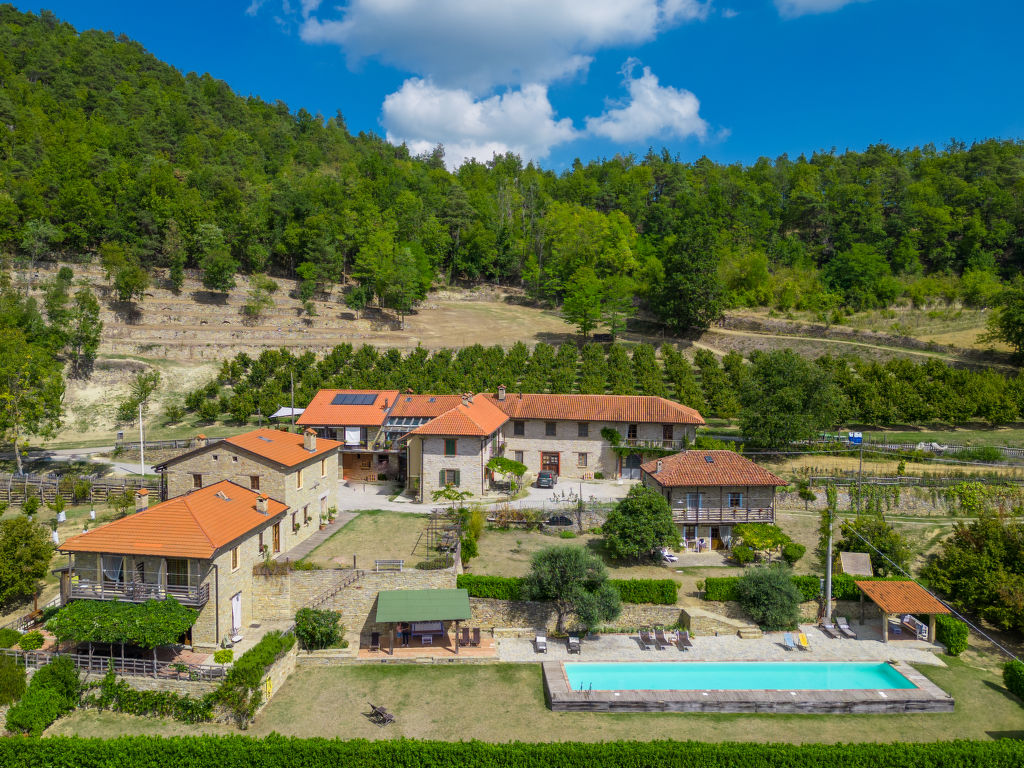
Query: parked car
x=546, y=479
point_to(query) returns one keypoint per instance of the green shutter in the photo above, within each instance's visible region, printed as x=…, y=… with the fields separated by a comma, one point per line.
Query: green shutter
x=440, y=479
x=458, y=479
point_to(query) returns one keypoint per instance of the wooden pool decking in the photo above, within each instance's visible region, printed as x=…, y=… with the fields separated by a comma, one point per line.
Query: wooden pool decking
x=926, y=697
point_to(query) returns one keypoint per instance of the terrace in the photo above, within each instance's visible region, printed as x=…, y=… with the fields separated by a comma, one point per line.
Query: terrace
x=683, y=514
x=138, y=592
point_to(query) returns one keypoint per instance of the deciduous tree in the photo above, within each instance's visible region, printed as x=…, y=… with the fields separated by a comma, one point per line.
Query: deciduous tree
x=575, y=580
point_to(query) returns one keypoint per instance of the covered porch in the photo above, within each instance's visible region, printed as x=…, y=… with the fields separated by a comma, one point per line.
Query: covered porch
x=420, y=621
x=901, y=603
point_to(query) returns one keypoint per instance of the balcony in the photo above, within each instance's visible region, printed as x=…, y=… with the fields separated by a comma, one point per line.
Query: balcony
x=138, y=592
x=660, y=445
x=722, y=515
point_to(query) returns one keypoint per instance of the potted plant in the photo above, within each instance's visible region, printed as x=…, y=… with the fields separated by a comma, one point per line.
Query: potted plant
x=295, y=527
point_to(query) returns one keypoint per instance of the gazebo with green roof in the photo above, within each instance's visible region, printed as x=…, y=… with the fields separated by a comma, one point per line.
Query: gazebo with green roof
x=424, y=607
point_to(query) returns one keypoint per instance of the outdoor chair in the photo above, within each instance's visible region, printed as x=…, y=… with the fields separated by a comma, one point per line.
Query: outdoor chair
x=787, y=640
x=660, y=639
x=845, y=628
x=476, y=636
x=540, y=644
x=803, y=643
x=380, y=715
x=683, y=640
x=829, y=629
x=646, y=641
x=574, y=644
x=375, y=641
x=465, y=637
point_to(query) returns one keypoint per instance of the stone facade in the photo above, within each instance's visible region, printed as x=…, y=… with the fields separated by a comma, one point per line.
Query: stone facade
x=753, y=498
x=308, y=489
x=531, y=616
x=470, y=461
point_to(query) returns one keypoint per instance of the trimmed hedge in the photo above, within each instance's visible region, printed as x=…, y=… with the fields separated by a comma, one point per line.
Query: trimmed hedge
x=241, y=691
x=281, y=752
x=657, y=591
x=54, y=690
x=952, y=633
x=723, y=588
x=1013, y=678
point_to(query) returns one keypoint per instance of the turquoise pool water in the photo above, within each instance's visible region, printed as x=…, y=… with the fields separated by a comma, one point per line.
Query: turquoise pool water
x=733, y=676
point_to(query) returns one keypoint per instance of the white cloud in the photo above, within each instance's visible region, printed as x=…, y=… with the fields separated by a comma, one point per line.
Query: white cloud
x=652, y=110
x=254, y=7
x=790, y=9
x=478, y=45
x=730, y=13
x=522, y=121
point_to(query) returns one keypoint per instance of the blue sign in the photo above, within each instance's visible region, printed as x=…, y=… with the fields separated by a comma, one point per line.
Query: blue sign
x=856, y=438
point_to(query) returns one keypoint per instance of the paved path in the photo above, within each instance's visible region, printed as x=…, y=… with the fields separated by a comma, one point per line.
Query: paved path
x=731, y=648
x=303, y=548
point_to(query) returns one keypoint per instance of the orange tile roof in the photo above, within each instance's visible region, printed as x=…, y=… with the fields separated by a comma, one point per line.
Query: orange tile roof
x=285, y=448
x=321, y=412
x=479, y=417
x=195, y=525
x=618, y=408
x=423, y=406
x=692, y=468
x=901, y=597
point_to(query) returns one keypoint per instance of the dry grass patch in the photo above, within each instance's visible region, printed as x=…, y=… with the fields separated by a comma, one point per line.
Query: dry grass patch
x=375, y=535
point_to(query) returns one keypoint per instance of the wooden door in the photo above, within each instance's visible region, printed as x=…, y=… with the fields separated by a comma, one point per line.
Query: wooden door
x=277, y=537
x=550, y=462
x=716, y=537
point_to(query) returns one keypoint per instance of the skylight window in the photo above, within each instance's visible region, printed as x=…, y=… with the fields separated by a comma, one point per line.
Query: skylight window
x=222, y=495
x=709, y=459
x=264, y=439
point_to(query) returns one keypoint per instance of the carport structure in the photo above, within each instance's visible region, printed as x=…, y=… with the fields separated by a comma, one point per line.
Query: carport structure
x=897, y=599
x=428, y=612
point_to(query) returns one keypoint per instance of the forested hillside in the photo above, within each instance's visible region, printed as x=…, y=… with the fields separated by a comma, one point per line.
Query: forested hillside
x=110, y=154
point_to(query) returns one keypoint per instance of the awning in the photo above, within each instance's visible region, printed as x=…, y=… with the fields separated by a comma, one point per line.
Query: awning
x=352, y=435
x=422, y=605
x=286, y=413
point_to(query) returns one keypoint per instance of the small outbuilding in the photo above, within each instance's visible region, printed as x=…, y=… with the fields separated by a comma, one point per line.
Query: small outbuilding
x=900, y=603
x=425, y=614
x=855, y=564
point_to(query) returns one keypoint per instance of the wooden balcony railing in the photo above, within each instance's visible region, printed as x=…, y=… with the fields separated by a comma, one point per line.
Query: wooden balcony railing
x=128, y=667
x=666, y=445
x=719, y=515
x=138, y=592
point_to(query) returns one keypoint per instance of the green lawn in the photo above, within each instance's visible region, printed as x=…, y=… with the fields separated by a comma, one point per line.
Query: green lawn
x=375, y=535
x=505, y=702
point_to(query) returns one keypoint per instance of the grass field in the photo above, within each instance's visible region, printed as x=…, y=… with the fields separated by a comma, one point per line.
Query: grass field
x=505, y=702
x=375, y=535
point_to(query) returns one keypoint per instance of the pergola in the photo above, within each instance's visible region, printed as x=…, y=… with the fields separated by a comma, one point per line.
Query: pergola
x=423, y=607
x=900, y=598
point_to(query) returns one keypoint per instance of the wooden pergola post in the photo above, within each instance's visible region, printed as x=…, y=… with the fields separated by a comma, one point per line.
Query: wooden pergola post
x=931, y=627
x=391, y=643
x=456, y=637
x=885, y=627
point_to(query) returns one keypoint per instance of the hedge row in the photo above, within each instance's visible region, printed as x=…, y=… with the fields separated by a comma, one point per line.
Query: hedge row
x=53, y=691
x=952, y=633
x=657, y=591
x=119, y=696
x=723, y=588
x=1013, y=678
x=281, y=752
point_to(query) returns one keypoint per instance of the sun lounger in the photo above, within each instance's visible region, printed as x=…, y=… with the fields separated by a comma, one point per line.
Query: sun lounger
x=646, y=641
x=540, y=644
x=845, y=628
x=919, y=628
x=574, y=644
x=660, y=639
x=683, y=640
x=375, y=641
x=476, y=636
x=788, y=641
x=465, y=637
x=381, y=716
x=829, y=629
x=802, y=641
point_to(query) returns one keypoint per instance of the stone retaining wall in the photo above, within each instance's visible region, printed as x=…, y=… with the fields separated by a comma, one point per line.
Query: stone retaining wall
x=510, y=615
x=194, y=688
x=279, y=672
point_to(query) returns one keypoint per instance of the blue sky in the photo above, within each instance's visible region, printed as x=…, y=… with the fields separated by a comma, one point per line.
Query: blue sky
x=558, y=79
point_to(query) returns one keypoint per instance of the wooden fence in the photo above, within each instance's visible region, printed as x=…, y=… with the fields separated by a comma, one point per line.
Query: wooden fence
x=14, y=489
x=126, y=667
x=185, y=444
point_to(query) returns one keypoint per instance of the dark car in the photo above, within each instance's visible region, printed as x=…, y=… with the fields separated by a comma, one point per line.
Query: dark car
x=546, y=479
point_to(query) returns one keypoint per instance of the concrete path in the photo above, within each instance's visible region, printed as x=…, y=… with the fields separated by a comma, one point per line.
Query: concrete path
x=303, y=548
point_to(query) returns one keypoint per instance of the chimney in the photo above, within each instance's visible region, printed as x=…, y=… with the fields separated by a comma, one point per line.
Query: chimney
x=656, y=471
x=141, y=499
x=262, y=504
x=469, y=397
x=501, y=391
x=465, y=399
x=309, y=440
x=385, y=406
x=200, y=441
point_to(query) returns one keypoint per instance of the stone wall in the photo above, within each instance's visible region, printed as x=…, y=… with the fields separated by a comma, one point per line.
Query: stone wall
x=279, y=671
x=530, y=615
x=913, y=500
x=471, y=456
x=195, y=688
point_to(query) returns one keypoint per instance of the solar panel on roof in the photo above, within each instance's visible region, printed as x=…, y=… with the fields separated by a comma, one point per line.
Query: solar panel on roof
x=349, y=398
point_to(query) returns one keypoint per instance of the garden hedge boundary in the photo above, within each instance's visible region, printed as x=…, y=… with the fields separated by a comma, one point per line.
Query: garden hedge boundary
x=1013, y=678
x=282, y=752
x=723, y=588
x=656, y=591
x=952, y=633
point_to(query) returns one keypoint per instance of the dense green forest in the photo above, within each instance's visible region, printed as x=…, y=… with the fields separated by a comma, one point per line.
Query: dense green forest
x=111, y=154
x=778, y=396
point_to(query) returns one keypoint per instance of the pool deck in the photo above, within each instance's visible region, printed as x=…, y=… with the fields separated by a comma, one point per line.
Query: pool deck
x=926, y=697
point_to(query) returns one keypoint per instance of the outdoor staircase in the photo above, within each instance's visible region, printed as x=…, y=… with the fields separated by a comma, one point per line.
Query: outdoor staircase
x=705, y=622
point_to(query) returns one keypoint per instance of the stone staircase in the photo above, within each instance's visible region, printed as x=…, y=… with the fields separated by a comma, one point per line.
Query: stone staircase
x=705, y=622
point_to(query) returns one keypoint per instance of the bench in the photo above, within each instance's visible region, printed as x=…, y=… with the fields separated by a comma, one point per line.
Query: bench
x=388, y=565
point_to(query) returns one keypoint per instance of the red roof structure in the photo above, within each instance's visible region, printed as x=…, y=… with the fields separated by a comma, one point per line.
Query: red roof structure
x=901, y=597
x=285, y=448
x=696, y=468
x=614, y=408
x=348, y=408
x=423, y=406
x=195, y=525
x=476, y=416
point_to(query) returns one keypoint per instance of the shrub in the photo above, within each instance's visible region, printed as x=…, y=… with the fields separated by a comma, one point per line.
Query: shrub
x=469, y=549
x=32, y=641
x=241, y=692
x=809, y=587
x=305, y=565
x=952, y=633
x=769, y=595
x=12, y=680
x=54, y=690
x=9, y=637
x=439, y=563
x=567, y=535
x=657, y=591
x=1013, y=678
x=223, y=656
x=317, y=629
x=742, y=554
x=721, y=588
x=599, y=475
x=792, y=552
x=117, y=695
x=493, y=587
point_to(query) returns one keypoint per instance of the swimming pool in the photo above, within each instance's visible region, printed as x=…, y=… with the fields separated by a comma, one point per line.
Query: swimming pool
x=734, y=676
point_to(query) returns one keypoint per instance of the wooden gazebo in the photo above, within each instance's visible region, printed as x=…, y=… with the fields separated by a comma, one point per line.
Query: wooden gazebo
x=426, y=610
x=898, y=599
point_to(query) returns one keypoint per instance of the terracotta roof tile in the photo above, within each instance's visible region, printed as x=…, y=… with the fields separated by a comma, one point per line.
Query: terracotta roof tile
x=423, y=406
x=285, y=448
x=901, y=597
x=693, y=468
x=616, y=408
x=195, y=525
x=479, y=417
x=322, y=412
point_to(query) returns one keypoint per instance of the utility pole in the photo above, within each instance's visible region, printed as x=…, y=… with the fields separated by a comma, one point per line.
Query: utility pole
x=142, y=447
x=828, y=569
x=860, y=474
x=292, y=376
